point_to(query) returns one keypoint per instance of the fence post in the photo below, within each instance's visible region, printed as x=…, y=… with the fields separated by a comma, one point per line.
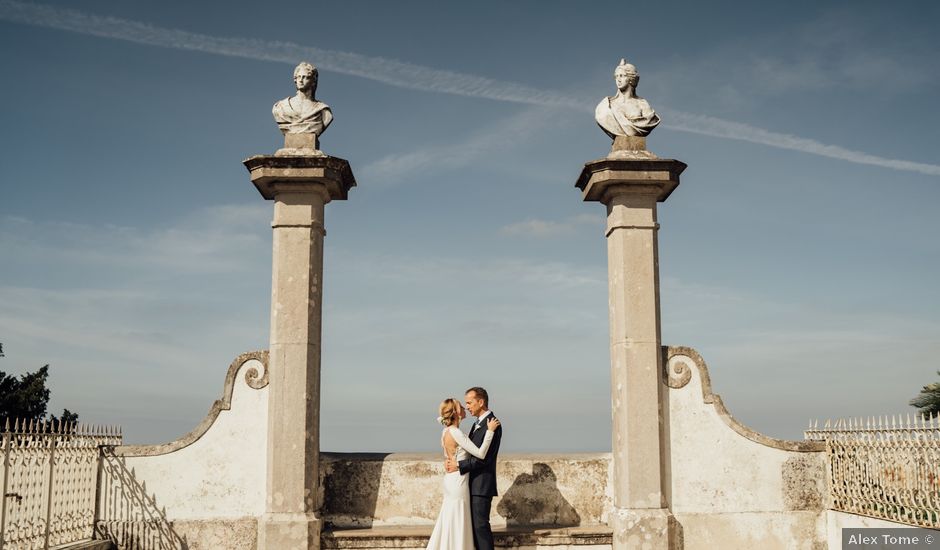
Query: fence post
x=53, y=440
x=6, y=475
x=96, y=516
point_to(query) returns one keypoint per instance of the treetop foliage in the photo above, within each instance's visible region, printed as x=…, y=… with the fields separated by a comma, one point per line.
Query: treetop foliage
x=929, y=400
x=25, y=398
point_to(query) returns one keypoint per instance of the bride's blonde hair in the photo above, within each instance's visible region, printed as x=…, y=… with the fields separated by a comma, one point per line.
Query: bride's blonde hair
x=450, y=411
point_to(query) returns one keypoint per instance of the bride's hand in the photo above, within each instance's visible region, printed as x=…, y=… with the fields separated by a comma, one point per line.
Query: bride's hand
x=492, y=424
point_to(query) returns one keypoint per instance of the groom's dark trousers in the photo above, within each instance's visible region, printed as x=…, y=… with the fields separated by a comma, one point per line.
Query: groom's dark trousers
x=482, y=484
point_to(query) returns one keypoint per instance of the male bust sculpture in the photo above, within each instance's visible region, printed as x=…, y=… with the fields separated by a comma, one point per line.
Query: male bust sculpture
x=626, y=114
x=302, y=113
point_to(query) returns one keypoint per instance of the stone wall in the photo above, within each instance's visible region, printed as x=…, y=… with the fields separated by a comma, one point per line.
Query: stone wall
x=206, y=489
x=732, y=487
x=545, y=490
x=729, y=487
x=837, y=521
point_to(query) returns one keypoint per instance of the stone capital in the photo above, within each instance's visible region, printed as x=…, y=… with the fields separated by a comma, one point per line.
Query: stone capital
x=600, y=180
x=272, y=175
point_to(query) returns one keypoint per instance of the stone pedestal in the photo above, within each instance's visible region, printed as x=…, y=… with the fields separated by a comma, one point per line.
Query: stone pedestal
x=630, y=188
x=300, y=187
x=306, y=145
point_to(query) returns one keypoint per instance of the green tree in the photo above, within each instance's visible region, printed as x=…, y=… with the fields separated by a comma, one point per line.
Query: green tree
x=25, y=398
x=929, y=400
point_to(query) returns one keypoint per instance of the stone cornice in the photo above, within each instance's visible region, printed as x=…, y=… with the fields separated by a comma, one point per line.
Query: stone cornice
x=680, y=374
x=658, y=177
x=253, y=379
x=272, y=174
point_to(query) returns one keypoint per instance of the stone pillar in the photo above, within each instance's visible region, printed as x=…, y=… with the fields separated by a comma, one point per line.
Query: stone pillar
x=630, y=182
x=300, y=186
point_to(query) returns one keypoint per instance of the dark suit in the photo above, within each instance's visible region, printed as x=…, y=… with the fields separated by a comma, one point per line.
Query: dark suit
x=482, y=484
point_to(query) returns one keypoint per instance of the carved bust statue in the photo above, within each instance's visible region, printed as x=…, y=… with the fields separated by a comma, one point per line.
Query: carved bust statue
x=626, y=114
x=302, y=113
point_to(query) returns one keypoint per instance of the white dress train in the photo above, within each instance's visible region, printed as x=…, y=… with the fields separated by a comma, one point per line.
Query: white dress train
x=453, y=530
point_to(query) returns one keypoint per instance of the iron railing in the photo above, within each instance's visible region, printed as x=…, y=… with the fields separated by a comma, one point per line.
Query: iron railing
x=884, y=467
x=50, y=474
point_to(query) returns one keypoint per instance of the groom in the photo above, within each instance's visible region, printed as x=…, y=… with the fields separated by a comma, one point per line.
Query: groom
x=482, y=472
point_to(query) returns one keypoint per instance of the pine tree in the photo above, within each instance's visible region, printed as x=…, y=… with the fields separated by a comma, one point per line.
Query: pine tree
x=25, y=398
x=929, y=400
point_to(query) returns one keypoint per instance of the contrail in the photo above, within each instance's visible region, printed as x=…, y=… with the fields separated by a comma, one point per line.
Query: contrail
x=415, y=77
x=387, y=71
x=711, y=126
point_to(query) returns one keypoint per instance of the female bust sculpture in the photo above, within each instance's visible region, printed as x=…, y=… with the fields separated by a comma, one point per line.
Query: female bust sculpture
x=626, y=114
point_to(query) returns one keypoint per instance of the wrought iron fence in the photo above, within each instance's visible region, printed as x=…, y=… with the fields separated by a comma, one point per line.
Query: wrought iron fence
x=50, y=474
x=884, y=467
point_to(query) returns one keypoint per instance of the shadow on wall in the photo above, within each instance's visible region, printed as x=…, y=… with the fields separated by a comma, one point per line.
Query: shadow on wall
x=534, y=499
x=350, y=484
x=127, y=515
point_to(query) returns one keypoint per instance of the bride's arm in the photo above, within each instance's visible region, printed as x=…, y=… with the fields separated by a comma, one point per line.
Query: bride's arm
x=464, y=441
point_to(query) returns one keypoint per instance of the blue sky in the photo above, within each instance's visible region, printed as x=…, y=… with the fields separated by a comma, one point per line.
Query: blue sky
x=799, y=254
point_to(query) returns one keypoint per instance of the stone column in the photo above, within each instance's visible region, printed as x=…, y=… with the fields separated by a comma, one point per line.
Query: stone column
x=630, y=182
x=300, y=186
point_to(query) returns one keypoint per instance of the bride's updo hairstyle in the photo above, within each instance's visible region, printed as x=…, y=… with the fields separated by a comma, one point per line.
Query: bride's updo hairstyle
x=450, y=411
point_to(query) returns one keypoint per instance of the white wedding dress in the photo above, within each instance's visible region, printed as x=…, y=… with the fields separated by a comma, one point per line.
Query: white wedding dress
x=453, y=530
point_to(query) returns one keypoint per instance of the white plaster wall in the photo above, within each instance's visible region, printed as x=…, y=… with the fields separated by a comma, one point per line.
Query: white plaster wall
x=837, y=521
x=717, y=470
x=727, y=491
x=731, y=490
x=222, y=474
x=747, y=530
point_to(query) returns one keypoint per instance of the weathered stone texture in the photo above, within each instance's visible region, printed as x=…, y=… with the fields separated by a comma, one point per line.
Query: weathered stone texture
x=837, y=521
x=239, y=534
x=767, y=531
x=411, y=537
x=372, y=490
x=804, y=482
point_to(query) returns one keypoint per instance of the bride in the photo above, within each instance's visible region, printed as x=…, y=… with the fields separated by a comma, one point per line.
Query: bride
x=453, y=530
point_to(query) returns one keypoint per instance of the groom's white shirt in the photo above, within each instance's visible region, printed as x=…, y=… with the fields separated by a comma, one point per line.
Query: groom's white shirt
x=479, y=422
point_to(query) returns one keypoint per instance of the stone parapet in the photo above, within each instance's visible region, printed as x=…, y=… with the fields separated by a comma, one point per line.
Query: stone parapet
x=362, y=490
x=729, y=486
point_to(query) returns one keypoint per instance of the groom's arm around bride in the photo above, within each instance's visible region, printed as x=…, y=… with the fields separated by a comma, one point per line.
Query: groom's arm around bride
x=482, y=471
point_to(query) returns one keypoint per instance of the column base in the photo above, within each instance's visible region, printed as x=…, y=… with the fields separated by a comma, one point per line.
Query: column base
x=647, y=528
x=288, y=532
